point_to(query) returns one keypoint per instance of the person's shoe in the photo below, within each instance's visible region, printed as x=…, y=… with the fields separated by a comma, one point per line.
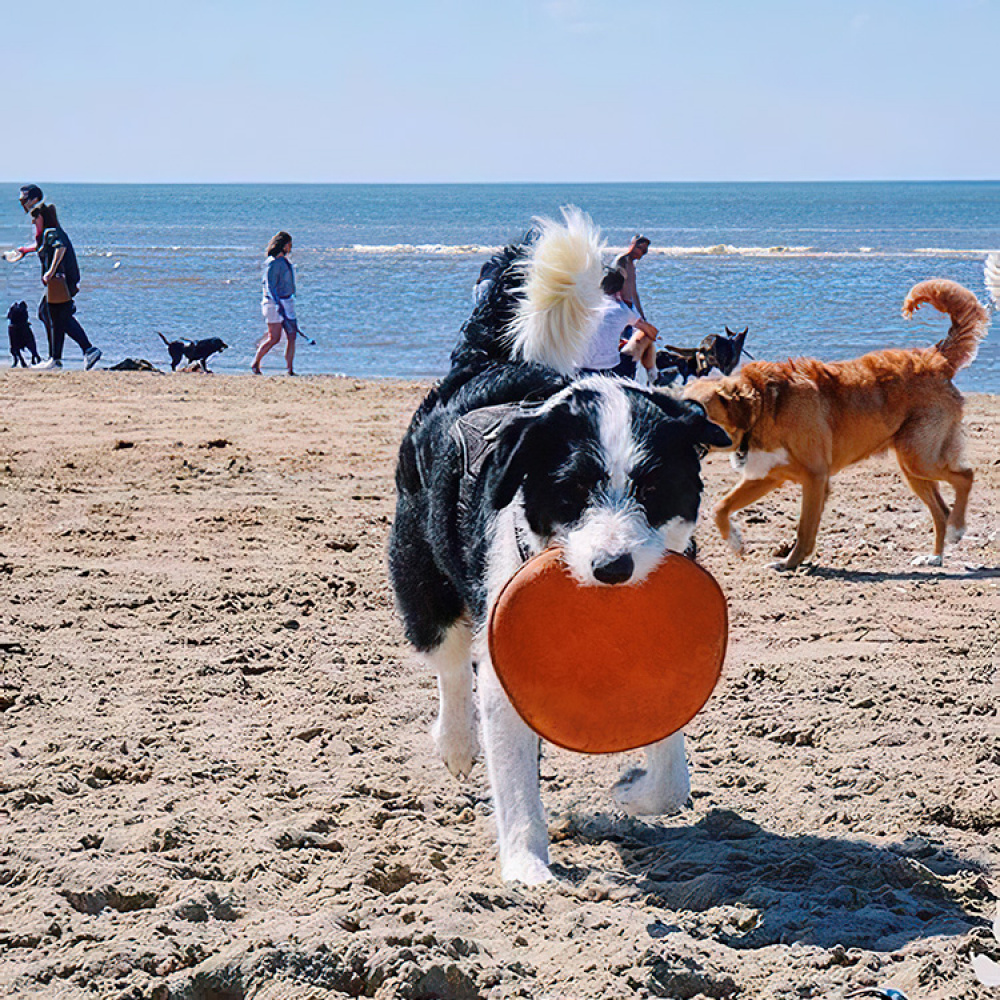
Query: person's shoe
x=45, y=366
x=92, y=357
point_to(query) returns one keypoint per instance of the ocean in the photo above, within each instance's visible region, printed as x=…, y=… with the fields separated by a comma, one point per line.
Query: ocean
x=385, y=272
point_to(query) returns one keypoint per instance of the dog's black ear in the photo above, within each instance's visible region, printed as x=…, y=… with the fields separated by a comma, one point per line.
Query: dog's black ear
x=511, y=460
x=703, y=430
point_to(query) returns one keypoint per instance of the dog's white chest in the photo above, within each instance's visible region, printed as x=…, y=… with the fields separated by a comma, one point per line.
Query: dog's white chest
x=757, y=464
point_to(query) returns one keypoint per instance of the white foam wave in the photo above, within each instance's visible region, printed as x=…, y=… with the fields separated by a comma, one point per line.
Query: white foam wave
x=443, y=249
x=482, y=250
x=950, y=252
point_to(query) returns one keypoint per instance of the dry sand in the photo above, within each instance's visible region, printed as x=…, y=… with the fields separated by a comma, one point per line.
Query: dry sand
x=217, y=779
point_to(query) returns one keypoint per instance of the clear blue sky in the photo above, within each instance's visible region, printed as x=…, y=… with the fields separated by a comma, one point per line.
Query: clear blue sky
x=511, y=90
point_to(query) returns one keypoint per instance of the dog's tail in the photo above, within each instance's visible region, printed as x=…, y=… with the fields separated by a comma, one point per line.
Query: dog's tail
x=164, y=339
x=991, y=277
x=969, y=320
x=562, y=301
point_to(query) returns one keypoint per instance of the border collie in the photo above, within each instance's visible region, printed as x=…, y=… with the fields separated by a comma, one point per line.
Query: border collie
x=606, y=470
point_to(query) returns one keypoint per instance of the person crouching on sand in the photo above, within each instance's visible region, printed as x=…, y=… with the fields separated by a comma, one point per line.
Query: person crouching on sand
x=620, y=320
x=278, y=303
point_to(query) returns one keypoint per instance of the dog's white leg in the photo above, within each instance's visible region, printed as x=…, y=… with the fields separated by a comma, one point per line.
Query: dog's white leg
x=454, y=731
x=512, y=760
x=663, y=787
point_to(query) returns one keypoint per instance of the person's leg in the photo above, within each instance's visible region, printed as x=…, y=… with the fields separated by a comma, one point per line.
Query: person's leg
x=43, y=315
x=290, y=352
x=272, y=338
x=60, y=316
x=75, y=332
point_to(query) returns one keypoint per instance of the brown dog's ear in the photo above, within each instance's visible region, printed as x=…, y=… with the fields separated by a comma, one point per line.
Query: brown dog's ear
x=728, y=402
x=743, y=407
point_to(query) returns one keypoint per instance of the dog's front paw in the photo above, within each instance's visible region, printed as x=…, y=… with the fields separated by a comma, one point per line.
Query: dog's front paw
x=457, y=746
x=526, y=868
x=953, y=535
x=782, y=565
x=928, y=560
x=639, y=794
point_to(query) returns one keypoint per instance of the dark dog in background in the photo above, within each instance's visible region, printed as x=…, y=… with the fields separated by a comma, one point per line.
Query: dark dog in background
x=196, y=351
x=715, y=351
x=21, y=336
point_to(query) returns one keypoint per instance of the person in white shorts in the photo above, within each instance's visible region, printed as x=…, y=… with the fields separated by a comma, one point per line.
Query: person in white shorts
x=278, y=302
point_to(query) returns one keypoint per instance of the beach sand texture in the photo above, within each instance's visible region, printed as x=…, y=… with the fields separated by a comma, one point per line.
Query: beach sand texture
x=217, y=779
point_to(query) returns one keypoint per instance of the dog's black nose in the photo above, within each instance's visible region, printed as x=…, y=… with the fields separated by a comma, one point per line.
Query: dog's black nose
x=616, y=571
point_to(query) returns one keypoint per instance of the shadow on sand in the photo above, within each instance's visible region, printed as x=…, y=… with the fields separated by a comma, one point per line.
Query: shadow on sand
x=880, y=576
x=823, y=891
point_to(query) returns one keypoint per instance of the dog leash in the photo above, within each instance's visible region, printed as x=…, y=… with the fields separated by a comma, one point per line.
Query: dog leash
x=285, y=321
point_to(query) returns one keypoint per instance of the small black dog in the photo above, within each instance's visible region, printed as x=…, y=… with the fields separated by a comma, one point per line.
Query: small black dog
x=715, y=351
x=196, y=351
x=21, y=337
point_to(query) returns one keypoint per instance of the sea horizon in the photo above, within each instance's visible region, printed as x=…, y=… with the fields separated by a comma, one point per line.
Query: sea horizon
x=385, y=270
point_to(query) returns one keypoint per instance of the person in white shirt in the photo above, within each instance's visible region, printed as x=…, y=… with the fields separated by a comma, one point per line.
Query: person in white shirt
x=606, y=355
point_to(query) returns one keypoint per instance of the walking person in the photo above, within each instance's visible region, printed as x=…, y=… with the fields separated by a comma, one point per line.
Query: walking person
x=31, y=196
x=278, y=302
x=61, y=278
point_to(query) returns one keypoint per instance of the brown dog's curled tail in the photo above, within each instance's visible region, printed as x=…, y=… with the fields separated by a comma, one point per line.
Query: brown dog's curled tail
x=969, y=320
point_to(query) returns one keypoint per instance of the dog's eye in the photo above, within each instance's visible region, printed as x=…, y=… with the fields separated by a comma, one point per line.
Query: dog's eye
x=646, y=493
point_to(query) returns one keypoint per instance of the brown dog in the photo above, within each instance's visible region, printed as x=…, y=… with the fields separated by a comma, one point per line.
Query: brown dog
x=804, y=420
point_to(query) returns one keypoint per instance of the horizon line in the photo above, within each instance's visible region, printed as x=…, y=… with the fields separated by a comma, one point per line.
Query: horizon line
x=506, y=183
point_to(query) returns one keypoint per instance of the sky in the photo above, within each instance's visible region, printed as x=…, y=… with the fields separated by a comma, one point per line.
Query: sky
x=508, y=91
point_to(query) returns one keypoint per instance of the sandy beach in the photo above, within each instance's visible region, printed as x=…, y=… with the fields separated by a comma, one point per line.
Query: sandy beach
x=217, y=780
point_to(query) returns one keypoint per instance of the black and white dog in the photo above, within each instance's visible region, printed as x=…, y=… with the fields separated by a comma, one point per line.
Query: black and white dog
x=507, y=455
x=21, y=336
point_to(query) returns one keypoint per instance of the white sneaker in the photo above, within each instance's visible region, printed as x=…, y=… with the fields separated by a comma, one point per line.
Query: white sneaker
x=92, y=357
x=45, y=366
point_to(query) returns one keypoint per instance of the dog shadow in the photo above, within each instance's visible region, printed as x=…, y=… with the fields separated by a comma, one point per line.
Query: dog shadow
x=881, y=576
x=730, y=879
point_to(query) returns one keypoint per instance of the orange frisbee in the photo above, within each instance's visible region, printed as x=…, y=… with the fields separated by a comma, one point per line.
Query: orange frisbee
x=605, y=669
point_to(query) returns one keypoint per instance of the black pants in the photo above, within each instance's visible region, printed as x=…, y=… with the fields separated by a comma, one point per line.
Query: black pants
x=60, y=323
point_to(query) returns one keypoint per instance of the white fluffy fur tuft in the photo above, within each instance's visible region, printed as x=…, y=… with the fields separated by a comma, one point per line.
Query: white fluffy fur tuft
x=991, y=277
x=563, y=301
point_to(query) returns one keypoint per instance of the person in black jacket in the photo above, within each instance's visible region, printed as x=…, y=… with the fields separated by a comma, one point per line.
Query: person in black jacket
x=61, y=278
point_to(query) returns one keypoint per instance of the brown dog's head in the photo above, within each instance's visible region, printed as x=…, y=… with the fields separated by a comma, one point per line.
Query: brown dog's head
x=729, y=402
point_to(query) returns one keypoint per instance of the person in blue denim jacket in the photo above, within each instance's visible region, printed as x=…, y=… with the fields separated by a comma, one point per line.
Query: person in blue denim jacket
x=278, y=301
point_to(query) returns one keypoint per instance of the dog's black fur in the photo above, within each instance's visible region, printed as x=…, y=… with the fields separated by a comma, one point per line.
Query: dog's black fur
x=605, y=470
x=439, y=549
x=196, y=351
x=21, y=336
x=715, y=351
